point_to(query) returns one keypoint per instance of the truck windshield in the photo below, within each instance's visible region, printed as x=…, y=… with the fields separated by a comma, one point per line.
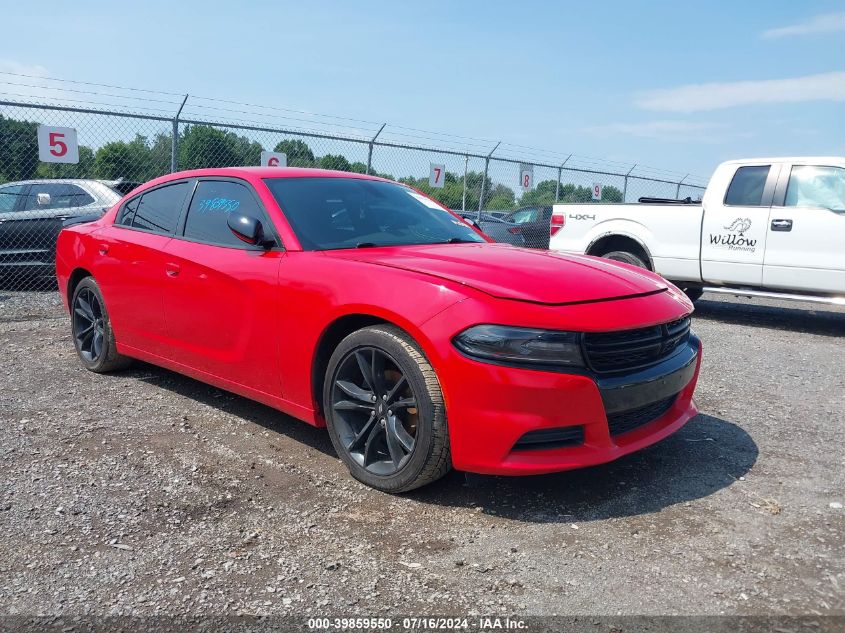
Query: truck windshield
x=335, y=213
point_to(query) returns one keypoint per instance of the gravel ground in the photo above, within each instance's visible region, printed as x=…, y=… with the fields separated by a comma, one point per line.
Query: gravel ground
x=145, y=492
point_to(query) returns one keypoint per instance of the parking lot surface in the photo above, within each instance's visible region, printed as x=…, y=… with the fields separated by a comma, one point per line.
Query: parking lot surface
x=144, y=492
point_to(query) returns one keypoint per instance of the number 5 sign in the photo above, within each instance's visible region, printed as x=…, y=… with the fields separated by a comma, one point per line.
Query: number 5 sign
x=57, y=144
x=437, y=176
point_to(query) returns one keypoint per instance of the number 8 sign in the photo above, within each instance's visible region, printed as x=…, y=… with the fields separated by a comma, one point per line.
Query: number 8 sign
x=526, y=177
x=57, y=145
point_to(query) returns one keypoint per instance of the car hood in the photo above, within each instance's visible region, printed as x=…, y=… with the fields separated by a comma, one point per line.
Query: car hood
x=519, y=274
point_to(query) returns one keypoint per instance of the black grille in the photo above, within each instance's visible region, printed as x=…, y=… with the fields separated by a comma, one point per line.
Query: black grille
x=608, y=352
x=550, y=438
x=625, y=421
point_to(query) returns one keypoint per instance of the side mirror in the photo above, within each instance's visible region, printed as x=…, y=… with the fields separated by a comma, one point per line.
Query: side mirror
x=42, y=199
x=248, y=229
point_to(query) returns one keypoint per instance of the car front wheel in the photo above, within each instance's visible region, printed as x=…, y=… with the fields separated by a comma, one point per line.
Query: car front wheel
x=385, y=412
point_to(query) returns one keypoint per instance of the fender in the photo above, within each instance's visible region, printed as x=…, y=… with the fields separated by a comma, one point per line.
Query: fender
x=630, y=229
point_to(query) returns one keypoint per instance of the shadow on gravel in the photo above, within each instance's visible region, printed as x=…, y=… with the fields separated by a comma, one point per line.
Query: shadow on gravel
x=825, y=322
x=708, y=454
x=244, y=408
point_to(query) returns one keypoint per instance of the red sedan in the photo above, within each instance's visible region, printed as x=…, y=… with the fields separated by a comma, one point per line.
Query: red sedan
x=359, y=304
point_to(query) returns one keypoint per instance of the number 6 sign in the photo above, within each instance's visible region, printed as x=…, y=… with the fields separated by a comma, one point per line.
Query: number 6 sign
x=437, y=176
x=57, y=145
x=273, y=159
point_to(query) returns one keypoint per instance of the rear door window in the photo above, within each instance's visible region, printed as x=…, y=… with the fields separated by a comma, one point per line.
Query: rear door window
x=159, y=209
x=58, y=195
x=9, y=197
x=523, y=216
x=746, y=188
x=127, y=212
x=816, y=186
x=211, y=205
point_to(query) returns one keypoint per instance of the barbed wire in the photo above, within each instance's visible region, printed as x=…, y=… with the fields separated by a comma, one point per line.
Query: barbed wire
x=318, y=123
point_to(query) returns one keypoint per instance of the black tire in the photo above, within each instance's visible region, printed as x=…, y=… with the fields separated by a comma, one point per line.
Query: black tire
x=694, y=294
x=627, y=258
x=91, y=330
x=380, y=358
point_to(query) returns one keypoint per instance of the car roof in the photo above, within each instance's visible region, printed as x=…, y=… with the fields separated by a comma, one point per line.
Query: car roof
x=60, y=181
x=788, y=159
x=258, y=173
x=272, y=172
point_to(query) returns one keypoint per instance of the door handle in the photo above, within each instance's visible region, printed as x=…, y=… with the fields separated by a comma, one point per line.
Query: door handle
x=781, y=225
x=104, y=249
x=172, y=270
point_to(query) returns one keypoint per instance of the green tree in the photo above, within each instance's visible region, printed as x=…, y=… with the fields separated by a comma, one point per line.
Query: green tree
x=206, y=146
x=18, y=149
x=609, y=193
x=335, y=161
x=83, y=169
x=543, y=193
x=298, y=153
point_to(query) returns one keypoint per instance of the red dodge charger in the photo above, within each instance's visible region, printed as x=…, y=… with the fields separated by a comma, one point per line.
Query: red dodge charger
x=359, y=304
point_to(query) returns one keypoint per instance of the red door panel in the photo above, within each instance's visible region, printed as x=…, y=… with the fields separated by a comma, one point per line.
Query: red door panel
x=220, y=308
x=130, y=272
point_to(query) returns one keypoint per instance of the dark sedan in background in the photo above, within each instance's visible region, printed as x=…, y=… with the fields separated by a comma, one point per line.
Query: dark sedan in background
x=32, y=213
x=527, y=226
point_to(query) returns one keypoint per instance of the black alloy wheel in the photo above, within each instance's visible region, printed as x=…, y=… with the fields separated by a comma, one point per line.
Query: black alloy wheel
x=88, y=326
x=385, y=411
x=91, y=329
x=375, y=411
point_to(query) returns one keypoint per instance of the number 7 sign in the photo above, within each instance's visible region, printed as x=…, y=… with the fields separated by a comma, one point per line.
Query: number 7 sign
x=437, y=176
x=57, y=145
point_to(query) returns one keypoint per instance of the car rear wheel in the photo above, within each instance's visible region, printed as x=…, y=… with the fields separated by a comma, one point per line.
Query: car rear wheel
x=626, y=258
x=92, y=332
x=385, y=412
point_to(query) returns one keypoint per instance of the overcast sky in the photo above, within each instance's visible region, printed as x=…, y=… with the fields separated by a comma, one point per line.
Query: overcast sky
x=674, y=85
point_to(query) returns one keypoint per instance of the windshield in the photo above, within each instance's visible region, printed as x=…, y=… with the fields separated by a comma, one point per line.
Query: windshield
x=330, y=213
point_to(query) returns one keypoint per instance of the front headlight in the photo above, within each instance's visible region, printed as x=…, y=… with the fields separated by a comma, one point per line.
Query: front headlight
x=521, y=345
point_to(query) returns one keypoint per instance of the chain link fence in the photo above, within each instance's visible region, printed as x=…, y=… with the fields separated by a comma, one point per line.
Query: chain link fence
x=117, y=150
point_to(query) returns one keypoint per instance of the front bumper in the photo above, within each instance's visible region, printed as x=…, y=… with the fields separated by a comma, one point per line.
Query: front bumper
x=491, y=407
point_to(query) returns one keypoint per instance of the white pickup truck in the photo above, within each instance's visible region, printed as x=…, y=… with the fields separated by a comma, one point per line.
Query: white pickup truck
x=770, y=227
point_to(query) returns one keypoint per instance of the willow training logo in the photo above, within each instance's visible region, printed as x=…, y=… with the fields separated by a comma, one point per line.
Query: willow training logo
x=735, y=239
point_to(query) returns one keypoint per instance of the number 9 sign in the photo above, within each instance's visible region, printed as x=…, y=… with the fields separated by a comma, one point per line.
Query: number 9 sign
x=57, y=145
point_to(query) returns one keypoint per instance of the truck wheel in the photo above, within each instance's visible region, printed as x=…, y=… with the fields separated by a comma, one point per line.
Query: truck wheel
x=626, y=258
x=385, y=411
x=694, y=294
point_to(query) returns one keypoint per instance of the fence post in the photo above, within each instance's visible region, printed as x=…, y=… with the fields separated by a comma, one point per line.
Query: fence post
x=464, y=200
x=370, y=152
x=678, y=189
x=559, y=175
x=174, y=140
x=484, y=178
x=625, y=186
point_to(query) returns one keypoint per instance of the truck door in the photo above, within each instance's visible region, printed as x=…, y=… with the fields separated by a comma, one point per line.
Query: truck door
x=805, y=249
x=735, y=225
